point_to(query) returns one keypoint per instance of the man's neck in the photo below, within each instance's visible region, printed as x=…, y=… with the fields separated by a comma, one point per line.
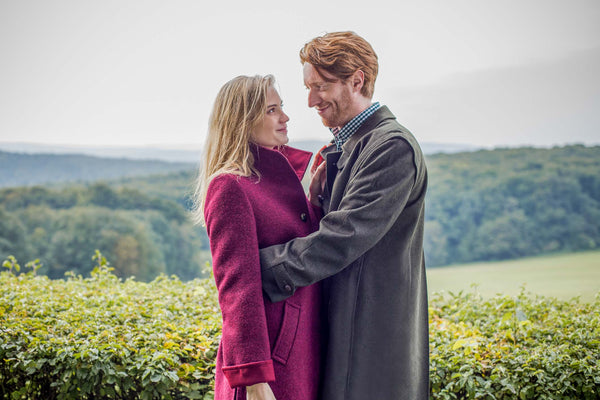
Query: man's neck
x=361, y=105
x=341, y=136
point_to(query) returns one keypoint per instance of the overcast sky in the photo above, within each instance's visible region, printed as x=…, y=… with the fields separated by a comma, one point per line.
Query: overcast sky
x=145, y=73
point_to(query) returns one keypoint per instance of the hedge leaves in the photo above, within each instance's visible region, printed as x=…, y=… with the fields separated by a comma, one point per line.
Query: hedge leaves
x=105, y=338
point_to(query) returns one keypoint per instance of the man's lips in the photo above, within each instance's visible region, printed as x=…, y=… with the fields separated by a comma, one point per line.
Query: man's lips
x=321, y=110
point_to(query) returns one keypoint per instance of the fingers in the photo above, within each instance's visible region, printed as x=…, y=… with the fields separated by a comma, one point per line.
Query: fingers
x=320, y=172
x=320, y=169
x=259, y=391
x=317, y=185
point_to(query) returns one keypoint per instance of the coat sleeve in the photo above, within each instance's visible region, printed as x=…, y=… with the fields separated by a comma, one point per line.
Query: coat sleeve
x=234, y=246
x=375, y=196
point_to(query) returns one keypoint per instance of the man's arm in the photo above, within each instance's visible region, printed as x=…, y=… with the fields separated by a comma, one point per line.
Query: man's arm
x=375, y=197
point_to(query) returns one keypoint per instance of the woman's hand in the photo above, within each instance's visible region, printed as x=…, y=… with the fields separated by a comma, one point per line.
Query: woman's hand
x=260, y=391
x=317, y=184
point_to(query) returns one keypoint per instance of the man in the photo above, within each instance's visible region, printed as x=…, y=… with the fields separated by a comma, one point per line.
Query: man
x=369, y=247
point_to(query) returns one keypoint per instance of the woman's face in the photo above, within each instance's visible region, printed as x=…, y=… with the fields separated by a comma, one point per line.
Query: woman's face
x=273, y=130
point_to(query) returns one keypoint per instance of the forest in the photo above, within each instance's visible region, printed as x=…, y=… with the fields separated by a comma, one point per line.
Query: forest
x=481, y=206
x=509, y=203
x=145, y=236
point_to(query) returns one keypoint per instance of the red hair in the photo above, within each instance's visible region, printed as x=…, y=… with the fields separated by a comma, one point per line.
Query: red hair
x=342, y=54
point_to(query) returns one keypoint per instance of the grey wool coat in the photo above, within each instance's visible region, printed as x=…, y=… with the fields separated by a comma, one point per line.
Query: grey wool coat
x=369, y=253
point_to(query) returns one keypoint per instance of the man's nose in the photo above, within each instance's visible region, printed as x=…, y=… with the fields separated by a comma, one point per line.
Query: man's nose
x=313, y=98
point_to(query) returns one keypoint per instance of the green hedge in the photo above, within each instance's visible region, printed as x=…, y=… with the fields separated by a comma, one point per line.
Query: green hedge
x=104, y=338
x=524, y=347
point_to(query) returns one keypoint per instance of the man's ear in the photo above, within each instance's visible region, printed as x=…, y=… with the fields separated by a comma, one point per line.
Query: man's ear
x=358, y=80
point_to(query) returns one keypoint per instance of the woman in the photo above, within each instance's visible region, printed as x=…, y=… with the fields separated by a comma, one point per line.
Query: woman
x=249, y=196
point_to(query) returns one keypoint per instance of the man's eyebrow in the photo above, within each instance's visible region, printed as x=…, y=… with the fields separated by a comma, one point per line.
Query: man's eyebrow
x=317, y=83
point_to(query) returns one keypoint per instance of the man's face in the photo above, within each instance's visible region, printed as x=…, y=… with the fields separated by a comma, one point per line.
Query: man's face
x=330, y=96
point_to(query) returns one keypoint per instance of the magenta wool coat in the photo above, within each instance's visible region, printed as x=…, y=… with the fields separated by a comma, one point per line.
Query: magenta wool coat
x=263, y=341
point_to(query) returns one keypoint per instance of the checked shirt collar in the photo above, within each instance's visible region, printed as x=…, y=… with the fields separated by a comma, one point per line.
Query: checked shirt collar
x=341, y=136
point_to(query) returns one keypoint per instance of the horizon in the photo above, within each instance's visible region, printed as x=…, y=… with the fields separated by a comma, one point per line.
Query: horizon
x=192, y=154
x=199, y=146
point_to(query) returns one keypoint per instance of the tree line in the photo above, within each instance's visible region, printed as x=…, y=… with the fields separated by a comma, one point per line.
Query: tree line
x=509, y=203
x=481, y=206
x=142, y=235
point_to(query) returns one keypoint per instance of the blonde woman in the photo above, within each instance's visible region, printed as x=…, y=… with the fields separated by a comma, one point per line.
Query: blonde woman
x=249, y=196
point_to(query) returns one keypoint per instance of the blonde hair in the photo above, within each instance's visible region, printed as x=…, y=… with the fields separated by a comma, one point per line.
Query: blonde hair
x=238, y=109
x=342, y=54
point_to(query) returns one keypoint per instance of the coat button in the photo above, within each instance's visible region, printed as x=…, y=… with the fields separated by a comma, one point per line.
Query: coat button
x=304, y=217
x=287, y=288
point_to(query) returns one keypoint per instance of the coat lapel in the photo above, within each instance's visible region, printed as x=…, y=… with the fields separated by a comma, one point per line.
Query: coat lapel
x=337, y=160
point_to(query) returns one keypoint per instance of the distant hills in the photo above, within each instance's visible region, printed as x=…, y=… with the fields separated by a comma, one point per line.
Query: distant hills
x=34, y=169
x=189, y=155
x=24, y=164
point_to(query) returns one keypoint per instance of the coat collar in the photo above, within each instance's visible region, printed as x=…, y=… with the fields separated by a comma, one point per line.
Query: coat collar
x=297, y=159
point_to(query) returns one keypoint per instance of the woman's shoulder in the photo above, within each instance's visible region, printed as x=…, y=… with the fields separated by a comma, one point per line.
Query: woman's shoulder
x=226, y=182
x=227, y=187
x=226, y=192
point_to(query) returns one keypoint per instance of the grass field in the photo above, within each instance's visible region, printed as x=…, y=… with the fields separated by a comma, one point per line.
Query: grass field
x=563, y=276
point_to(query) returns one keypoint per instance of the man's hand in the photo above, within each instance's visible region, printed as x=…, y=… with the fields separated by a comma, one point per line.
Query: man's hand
x=260, y=391
x=317, y=185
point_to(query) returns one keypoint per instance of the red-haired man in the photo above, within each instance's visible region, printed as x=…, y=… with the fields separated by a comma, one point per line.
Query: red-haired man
x=368, y=250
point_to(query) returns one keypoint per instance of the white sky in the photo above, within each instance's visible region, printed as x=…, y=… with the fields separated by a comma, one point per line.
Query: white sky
x=142, y=73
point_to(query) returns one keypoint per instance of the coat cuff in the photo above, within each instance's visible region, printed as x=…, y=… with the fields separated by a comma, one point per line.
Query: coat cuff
x=276, y=282
x=249, y=374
